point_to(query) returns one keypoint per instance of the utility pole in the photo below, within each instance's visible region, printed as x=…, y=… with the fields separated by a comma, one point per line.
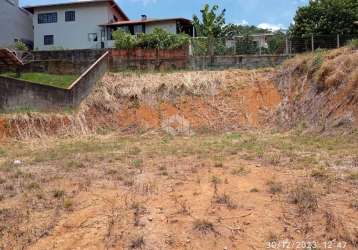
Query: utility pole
x=338, y=42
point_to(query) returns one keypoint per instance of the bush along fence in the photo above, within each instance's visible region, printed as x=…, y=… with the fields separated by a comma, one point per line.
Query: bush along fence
x=267, y=44
x=19, y=94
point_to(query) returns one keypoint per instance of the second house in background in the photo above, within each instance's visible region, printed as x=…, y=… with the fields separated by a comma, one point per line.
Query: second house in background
x=89, y=24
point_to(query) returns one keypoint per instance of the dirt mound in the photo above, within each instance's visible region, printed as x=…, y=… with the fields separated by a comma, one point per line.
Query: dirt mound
x=320, y=90
x=178, y=103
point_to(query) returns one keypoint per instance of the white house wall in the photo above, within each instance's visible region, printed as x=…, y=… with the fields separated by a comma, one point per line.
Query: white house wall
x=15, y=23
x=72, y=35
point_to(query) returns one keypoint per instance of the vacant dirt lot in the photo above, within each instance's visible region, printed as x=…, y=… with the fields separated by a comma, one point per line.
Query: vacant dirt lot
x=234, y=159
x=241, y=190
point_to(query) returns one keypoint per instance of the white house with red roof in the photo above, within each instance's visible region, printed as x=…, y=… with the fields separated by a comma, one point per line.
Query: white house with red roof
x=89, y=24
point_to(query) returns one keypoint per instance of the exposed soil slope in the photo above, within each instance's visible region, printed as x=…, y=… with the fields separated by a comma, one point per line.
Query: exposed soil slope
x=179, y=103
x=320, y=90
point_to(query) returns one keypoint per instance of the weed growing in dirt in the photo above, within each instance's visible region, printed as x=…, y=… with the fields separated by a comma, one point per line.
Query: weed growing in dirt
x=274, y=187
x=354, y=203
x=128, y=181
x=8, y=166
x=134, y=151
x=353, y=175
x=215, y=180
x=137, y=242
x=58, y=194
x=219, y=165
x=73, y=165
x=304, y=196
x=272, y=237
x=240, y=171
x=33, y=185
x=320, y=173
x=67, y=204
x=184, y=208
x=203, y=226
x=137, y=163
x=226, y=200
x=274, y=159
x=2, y=152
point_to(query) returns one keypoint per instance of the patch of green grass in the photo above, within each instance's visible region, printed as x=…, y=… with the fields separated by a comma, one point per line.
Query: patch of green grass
x=67, y=204
x=59, y=81
x=2, y=152
x=353, y=175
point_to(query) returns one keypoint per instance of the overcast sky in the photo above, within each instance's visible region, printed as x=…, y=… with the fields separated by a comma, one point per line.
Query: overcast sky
x=265, y=13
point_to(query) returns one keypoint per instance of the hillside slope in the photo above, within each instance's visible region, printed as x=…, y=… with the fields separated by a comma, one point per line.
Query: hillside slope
x=179, y=103
x=320, y=90
x=316, y=91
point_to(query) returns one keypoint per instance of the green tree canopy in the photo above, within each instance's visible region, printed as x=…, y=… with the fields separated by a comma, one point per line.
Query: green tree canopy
x=326, y=17
x=231, y=30
x=211, y=22
x=158, y=39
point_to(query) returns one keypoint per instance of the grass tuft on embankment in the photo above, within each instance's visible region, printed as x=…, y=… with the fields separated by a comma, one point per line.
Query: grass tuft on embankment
x=59, y=81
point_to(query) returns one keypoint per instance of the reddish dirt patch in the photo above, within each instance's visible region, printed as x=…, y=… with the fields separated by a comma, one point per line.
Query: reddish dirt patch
x=3, y=128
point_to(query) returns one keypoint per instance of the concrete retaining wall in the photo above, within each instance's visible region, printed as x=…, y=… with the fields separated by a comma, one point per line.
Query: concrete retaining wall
x=16, y=94
x=245, y=62
x=63, y=62
x=152, y=59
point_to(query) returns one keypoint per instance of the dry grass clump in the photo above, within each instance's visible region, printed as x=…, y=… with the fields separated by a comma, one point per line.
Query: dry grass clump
x=304, y=196
x=326, y=69
x=275, y=187
x=226, y=200
x=321, y=90
x=137, y=242
x=337, y=229
x=41, y=125
x=203, y=226
x=338, y=70
x=150, y=86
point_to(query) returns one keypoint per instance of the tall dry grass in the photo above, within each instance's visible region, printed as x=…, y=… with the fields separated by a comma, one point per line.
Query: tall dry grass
x=115, y=89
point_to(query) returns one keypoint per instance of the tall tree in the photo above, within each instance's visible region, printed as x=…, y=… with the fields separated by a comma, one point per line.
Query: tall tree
x=210, y=25
x=211, y=21
x=326, y=17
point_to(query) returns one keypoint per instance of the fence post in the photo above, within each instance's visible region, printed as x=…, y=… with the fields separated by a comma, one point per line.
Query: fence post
x=312, y=42
x=338, y=41
x=287, y=52
x=191, y=47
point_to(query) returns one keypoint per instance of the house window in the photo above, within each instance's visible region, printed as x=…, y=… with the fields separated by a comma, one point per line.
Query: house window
x=92, y=37
x=124, y=28
x=48, y=40
x=138, y=29
x=47, y=18
x=70, y=16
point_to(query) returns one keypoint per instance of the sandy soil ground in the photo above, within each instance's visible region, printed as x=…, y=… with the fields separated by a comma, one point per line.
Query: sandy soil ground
x=244, y=190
